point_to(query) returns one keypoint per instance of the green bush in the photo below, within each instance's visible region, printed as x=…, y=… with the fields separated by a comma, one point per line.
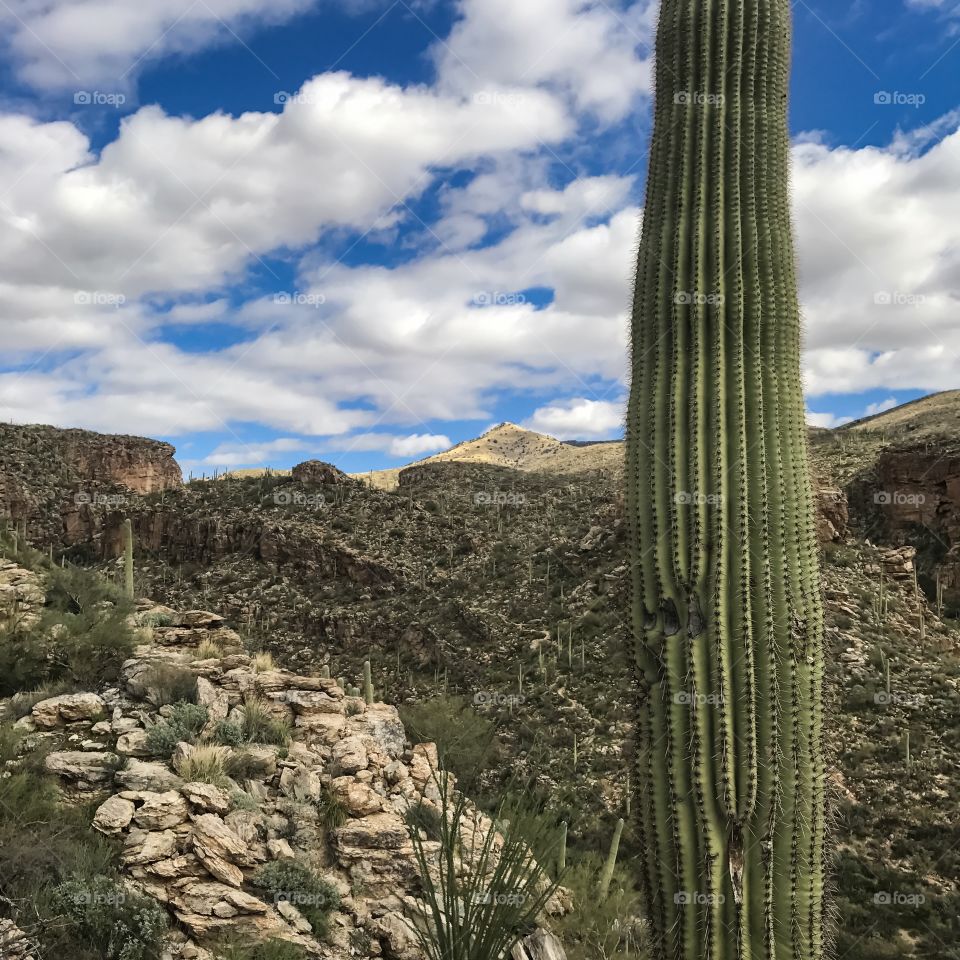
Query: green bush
x=83, y=636
x=167, y=683
x=268, y=950
x=313, y=896
x=102, y=915
x=185, y=722
x=466, y=742
x=332, y=812
x=227, y=733
x=261, y=726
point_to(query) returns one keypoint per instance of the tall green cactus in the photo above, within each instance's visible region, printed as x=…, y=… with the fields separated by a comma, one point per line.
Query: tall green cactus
x=727, y=612
x=128, y=587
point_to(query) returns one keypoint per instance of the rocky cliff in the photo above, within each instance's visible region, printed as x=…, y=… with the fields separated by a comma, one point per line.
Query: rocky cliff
x=200, y=829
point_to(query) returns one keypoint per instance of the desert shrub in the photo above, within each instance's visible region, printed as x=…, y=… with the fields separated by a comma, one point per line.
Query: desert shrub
x=261, y=726
x=262, y=662
x=82, y=636
x=206, y=763
x=601, y=928
x=244, y=801
x=241, y=765
x=331, y=809
x=185, y=722
x=102, y=915
x=156, y=620
x=267, y=950
x=421, y=816
x=477, y=906
x=227, y=733
x=466, y=742
x=208, y=650
x=313, y=896
x=167, y=683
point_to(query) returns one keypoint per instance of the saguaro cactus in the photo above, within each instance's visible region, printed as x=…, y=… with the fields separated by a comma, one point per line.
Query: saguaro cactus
x=128, y=587
x=727, y=612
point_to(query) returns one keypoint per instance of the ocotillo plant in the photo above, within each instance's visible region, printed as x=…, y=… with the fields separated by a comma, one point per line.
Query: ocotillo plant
x=726, y=604
x=128, y=559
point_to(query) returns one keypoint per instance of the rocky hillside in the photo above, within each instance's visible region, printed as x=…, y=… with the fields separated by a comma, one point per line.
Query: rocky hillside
x=490, y=597
x=248, y=802
x=508, y=445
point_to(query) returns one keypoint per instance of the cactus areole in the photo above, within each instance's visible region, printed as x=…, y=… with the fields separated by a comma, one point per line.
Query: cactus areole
x=726, y=606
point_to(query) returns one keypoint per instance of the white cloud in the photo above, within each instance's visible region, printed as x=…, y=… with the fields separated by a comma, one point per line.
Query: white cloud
x=826, y=420
x=596, y=53
x=74, y=44
x=248, y=454
x=881, y=407
x=578, y=419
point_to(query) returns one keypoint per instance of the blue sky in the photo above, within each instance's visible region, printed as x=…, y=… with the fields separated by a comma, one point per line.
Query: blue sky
x=364, y=230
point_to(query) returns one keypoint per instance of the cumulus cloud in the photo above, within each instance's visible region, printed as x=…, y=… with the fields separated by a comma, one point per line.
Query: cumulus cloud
x=596, y=53
x=578, y=419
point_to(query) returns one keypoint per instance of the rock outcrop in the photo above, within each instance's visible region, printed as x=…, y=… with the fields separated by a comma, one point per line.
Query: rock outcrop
x=334, y=799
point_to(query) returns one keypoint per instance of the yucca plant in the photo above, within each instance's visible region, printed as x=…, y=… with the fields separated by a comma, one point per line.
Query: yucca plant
x=726, y=605
x=481, y=895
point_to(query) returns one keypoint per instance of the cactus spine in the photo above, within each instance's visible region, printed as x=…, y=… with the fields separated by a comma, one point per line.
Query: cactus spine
x=128, y=559
x=726, y=605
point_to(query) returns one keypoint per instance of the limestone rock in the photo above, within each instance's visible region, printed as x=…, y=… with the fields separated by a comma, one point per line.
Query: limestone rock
x=143, y=846
x=87, y=766
x=382, y=831
x=142, y=775
x=113, y=815
x=161, y=811
x=207, y=797
x=359, y=799
x=133, y=744
x=68, y=708
x=349, y=755
x=219, y=849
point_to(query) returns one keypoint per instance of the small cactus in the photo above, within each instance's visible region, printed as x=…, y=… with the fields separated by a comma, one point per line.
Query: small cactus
x=128, y=559
x=367, y=682
x=606, y=875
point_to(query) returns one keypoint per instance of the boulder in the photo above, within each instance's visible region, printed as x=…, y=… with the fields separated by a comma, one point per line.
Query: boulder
x=161, y=811
x=349, y=755
x=380, y=831
x=68, y=708
x=142, y=775
x=113, y=815
x=88, y=766
x=219, y=849
x=207, y=797
x=133, y=744
x=359, y=799
x=144, y=846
